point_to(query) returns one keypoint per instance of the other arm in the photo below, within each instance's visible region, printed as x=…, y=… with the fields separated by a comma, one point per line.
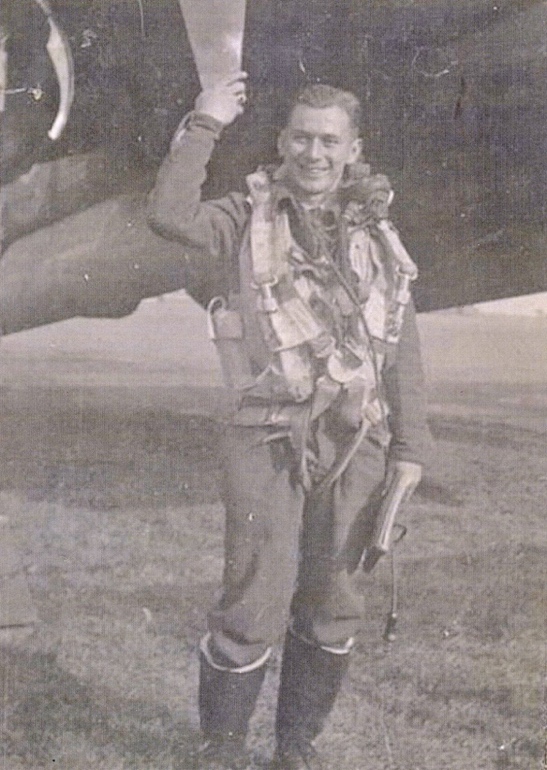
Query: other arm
x=406, y=395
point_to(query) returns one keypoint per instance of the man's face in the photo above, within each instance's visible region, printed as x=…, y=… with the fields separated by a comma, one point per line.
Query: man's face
x=316, y=146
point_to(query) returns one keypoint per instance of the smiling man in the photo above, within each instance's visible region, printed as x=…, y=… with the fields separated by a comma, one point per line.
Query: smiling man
x=307, y=290
x=318, y=144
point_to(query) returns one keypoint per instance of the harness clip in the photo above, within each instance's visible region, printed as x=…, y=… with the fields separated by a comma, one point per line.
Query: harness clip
x=266, y=301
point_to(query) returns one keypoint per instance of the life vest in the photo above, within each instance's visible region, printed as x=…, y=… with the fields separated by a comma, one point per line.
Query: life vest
x=273, y=346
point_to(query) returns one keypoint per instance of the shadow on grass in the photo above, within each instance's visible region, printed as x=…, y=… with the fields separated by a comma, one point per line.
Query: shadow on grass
x=50, y=715
x=58, y=448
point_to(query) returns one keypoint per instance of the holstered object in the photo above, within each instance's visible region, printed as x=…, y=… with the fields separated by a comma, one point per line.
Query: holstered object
x=382, y=539
x=226, y=330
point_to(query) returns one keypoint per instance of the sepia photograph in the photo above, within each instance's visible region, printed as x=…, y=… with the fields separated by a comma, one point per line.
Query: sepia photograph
x=273, y=384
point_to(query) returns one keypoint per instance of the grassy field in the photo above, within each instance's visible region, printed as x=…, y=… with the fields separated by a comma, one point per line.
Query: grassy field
x=108, y=476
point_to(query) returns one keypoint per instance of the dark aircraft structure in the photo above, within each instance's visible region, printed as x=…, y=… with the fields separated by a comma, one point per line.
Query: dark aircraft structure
x=455, y=98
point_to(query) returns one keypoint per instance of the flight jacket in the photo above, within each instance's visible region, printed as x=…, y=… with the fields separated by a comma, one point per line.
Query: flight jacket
x=213, y=234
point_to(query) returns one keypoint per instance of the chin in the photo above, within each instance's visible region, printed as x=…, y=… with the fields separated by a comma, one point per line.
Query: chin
x=312, y=188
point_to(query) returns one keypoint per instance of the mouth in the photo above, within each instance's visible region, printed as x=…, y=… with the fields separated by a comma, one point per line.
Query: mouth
x=314, y=171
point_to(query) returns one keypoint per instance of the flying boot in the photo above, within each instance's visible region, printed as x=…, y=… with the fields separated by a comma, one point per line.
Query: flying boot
x=311, y=677
x=227, y=698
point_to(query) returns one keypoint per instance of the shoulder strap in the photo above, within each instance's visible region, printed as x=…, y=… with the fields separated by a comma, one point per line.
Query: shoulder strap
x=269, y=233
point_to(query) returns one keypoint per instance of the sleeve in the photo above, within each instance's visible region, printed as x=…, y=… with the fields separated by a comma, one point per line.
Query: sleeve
x=211, y=229
x=404, y=384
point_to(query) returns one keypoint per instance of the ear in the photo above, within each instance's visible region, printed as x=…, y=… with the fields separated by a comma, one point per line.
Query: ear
x=355, y=151
x=282, y=143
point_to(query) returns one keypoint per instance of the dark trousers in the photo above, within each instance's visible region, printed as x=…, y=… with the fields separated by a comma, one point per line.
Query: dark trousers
x=289, y=555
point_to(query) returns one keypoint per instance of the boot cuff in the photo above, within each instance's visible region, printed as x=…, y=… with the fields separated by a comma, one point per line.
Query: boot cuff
x=206, y=652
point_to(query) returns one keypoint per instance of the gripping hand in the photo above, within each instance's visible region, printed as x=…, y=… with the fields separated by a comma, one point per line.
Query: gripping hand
x=411, y=475
x=225, y=100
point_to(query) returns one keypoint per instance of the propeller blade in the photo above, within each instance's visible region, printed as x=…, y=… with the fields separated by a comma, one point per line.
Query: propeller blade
x=215, y=30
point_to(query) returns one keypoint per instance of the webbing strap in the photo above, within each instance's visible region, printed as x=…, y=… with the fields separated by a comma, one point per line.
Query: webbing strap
x=270, y=234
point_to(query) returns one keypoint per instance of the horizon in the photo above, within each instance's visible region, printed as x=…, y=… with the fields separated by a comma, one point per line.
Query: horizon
x=528, y=304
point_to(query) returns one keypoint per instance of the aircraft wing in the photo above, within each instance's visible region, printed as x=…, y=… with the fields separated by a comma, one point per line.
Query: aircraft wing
x=98, y=263
x=101, y=262
x=455, y=102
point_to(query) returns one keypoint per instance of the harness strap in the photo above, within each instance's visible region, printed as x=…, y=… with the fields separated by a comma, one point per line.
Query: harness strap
x=372, y=416
x=269, y=247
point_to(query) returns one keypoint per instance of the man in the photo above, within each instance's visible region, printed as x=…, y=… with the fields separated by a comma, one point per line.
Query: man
x=307, y=292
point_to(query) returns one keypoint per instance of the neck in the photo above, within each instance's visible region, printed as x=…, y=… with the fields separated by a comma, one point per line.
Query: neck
x=315, y=200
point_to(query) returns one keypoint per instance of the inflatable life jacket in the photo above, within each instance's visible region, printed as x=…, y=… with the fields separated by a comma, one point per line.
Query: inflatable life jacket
x=275, y=344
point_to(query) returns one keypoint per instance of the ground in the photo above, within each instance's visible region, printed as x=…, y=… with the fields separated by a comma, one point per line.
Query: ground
x=108, y=477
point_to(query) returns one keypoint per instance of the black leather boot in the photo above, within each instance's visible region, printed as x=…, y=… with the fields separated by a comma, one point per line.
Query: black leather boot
x=311, y=678
x=227, y=699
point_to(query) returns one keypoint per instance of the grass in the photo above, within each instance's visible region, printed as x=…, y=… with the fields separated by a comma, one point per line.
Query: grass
x=121, y=533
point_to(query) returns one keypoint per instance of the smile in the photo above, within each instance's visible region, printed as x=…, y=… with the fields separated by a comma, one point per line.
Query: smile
x=313, y=170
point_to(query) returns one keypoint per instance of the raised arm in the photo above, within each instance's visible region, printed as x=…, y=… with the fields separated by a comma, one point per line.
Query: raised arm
x=175, y=208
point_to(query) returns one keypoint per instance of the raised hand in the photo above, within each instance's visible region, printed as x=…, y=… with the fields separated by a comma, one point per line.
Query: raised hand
x=225, y=100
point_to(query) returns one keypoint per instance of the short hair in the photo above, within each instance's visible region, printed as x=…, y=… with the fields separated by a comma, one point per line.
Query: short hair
x=321, y=95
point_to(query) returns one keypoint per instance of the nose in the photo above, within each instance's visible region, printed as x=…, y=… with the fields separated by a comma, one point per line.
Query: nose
x=313, y=149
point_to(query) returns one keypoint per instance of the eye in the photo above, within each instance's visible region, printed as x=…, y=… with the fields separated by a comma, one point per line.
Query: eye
x=330, y=141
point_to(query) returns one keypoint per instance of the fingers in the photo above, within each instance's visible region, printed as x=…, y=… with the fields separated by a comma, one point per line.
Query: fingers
x=226, y=99
x=235, y=78
x=238, y=89
x=235, y=86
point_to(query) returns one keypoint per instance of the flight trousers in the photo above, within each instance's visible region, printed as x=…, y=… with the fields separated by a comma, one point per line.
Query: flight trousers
x=290, y=554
